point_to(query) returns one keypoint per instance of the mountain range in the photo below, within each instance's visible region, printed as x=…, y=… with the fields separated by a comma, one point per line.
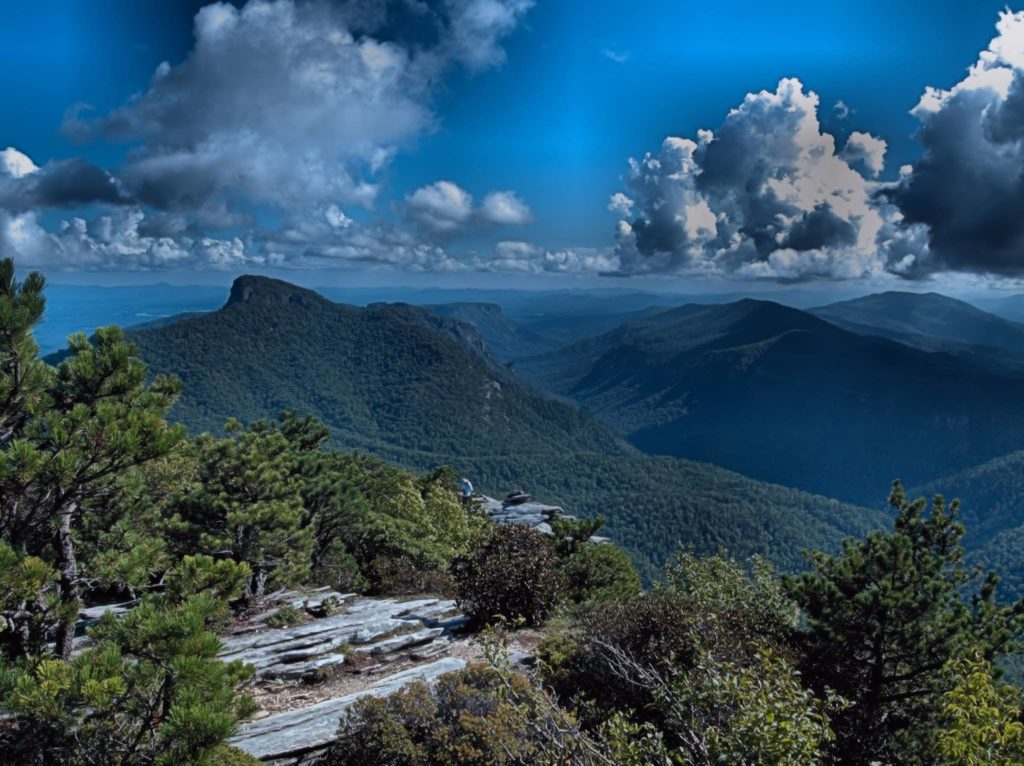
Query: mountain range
x=711, y=425
x=782, y=395
x=422, y=389
x=934, y=322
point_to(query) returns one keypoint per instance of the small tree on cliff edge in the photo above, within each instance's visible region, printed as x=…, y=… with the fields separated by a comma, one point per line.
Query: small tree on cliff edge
x=67, y=433
x=883, y=619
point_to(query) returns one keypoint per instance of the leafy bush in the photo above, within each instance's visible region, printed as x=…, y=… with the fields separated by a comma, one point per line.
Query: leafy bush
x=693, y=649
x=467, y=718
x=512, y=574
x=981, y=718
x=484, y=715
x=232, y=756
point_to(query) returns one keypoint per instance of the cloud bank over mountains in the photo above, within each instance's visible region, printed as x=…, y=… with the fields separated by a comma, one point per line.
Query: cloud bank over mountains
x=269, y=144
x=287, y=107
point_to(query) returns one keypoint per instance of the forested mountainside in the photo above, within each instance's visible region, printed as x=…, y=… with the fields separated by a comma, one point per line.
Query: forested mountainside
x=567, y=329
x=421, y=390
x=781, y=395
x=506, y=339
x=913, y=316
x=992, y=499
x=655, y=505
x=391, y=378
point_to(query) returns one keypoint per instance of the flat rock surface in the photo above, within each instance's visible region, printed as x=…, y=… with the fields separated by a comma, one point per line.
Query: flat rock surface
x=346, y=647
x=290, y=734
x=373, y=627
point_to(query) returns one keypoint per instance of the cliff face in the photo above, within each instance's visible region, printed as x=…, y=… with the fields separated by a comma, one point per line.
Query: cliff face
x=264, y=291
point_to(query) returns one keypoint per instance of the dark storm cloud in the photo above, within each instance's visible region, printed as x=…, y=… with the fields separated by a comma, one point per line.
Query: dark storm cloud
x=968, y=185
x=820, y=228
x=60, y=184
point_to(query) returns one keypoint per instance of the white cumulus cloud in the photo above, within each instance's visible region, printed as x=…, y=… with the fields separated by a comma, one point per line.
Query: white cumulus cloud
x=505, y=208
x=767, y=194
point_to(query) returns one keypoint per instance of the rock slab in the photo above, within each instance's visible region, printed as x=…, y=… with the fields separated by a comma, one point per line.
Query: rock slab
x=289, y=736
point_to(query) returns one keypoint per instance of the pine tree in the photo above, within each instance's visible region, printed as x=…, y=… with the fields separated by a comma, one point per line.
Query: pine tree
x=148, y=690
x=247, y=505
x=883, y=619
x=68, y=433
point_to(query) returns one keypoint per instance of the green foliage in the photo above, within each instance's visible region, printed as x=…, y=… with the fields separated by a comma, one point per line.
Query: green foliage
x=466, y=719
x=570, y=534
x=223, y=579
x=285, y=617
x=149, y=691
x=591, y=570
x=702, y=664
x=513, y=574
x=232, y=756
x=745, y=604
x=706, y=608
x=24, y=378
x=69, y=435
x=980, y=718
x=417, y=529
x=884, y=618
x=29, y=605
x=484, y=715
x=756, y=714
x=246, y=506
x=120, y=548
x=272, y=496
x=600, y=572
x=634, y=744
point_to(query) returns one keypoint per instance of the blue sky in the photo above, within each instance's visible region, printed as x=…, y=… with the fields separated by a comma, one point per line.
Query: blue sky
x=547, y=103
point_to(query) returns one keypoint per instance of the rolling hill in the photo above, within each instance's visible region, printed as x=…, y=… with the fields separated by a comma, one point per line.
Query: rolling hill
x=934, y=322
x=422, y=390
x=992, y=508
x=903, y=315
x=782, y=395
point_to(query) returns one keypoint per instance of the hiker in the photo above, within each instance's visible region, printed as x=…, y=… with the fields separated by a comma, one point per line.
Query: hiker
x=466, y=491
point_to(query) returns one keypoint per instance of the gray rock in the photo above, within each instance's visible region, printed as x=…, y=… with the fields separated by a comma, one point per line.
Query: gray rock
x=296, y=732
x=534, y=515
x=389, y=645
x=297, y=670
x=378, y=626
x=94, y=614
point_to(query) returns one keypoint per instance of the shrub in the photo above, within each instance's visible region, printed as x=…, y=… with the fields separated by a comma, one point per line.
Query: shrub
x=402, y=576
x=232, y=756
x=513, y=574
x=286, y=616
x=150, y=691
x=469, y=717
x=600, y=573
